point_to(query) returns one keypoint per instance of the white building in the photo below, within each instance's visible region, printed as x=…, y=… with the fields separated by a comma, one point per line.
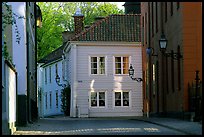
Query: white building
x=97, y=60
x=99, y=79
x=49, y=93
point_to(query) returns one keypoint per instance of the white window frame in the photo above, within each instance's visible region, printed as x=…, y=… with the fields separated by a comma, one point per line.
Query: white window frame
x=98, y=59
x=45, y=75
x=46, y=101
x=57, y=99
x=50, y=73
x=63, y=70
x=121, y=91
x=121, y=56
x=97, y=94
x=50, y=99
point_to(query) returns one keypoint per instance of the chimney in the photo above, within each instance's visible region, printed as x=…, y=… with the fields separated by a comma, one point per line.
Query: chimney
x=78, y=21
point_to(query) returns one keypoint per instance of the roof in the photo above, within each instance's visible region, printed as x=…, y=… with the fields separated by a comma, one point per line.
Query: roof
x=56, y=54
x=113, y=28
x=124, y=28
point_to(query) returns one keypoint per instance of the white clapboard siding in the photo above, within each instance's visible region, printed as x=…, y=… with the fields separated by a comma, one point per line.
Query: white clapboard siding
x=51, y=87
x=108, y=82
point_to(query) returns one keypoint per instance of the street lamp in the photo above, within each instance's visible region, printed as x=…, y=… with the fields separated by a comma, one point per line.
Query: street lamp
x=131, y=73
x=57, y=79
x=163, y=45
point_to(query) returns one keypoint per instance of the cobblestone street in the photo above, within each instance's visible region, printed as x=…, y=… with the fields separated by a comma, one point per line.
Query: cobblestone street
x=94, y=126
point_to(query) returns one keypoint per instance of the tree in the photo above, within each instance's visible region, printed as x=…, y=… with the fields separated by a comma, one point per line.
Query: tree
x=57, y=17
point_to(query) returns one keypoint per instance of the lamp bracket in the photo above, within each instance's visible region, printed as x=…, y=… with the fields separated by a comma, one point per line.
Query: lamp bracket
x=137, y=79
x=174, y=56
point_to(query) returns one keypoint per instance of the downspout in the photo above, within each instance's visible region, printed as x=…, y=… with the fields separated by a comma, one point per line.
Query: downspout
x=149, y=64
x=28, y=68
x=36, y=90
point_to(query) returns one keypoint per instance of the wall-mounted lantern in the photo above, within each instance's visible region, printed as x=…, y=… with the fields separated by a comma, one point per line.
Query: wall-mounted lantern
x=131, y=74
x=163, y=45
x=57, y=79
x=38, y=16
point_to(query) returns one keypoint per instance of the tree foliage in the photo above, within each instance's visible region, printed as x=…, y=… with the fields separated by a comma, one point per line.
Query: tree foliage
x=58, y=17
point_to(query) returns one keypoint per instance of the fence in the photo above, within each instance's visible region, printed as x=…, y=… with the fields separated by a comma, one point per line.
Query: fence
x=195, y=99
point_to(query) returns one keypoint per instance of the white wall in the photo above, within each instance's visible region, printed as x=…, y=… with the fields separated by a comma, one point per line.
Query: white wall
x=10, y=94
x=108, y=82
x=51, y=87
x=19, y=54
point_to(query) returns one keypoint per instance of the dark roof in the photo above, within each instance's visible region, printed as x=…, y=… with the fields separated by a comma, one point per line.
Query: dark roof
x=113, y=28
x=56, y=54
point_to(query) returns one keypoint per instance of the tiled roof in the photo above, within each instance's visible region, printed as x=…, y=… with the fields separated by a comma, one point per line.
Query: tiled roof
x=56, y=54
x=113, y=28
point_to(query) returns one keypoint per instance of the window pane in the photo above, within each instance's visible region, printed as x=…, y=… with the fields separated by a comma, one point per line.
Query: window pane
x=125, y=65
x=93, y=59
x=101, y=65
x=93, y=99
x=93, y=71
x=93, y=65
x=117, y=59
x=56, y=99
x=125, y=98
x=101, y=98
x=118, y=71
x=117, y=98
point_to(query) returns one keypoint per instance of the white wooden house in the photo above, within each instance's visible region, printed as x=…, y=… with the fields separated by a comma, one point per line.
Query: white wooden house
x=96, y=62
x=49, y=101
x=98, y=59
x=99, y=79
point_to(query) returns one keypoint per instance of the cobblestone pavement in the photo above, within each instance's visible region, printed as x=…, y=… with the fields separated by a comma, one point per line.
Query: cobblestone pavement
x=94, y=126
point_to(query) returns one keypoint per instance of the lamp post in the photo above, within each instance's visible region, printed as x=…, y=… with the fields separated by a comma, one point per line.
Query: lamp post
x=163, y=46
x=131, y=73
x=57, y=79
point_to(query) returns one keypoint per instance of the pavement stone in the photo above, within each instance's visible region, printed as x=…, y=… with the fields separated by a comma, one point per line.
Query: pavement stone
x=187, y=127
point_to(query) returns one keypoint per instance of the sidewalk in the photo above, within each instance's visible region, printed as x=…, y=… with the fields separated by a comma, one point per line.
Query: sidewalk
x=187, y=127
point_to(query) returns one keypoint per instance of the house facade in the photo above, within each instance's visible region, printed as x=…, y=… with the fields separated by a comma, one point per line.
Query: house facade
x=167, y=78
x=49, y=92
x=99, y=79
x=98, y=59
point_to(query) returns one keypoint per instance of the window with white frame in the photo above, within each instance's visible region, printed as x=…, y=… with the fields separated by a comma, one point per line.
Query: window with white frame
x=63, y=69
x=46, y=100
x=98, y=99
x=121, y=64
x=50, y=71
x=56, y=69
x=50, y=99
x=45, y=75
x=56, y=99
x=97, y=65
x=122, y=98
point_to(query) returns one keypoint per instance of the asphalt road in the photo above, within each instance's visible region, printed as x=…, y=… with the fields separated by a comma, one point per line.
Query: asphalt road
x=53, y=126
